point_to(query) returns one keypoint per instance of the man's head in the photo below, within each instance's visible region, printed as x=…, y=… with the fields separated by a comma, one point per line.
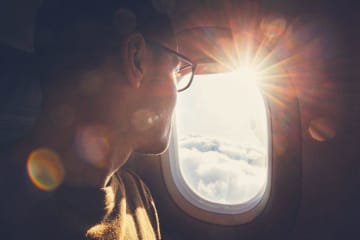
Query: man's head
x=105, y=72
x=61, y=24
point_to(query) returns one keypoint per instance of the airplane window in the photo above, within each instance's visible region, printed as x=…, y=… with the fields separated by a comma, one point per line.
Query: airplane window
x=221, y=142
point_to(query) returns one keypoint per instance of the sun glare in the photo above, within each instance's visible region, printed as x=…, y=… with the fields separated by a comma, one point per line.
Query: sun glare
x=224, y=105
x=248, y=73
x=222, y=129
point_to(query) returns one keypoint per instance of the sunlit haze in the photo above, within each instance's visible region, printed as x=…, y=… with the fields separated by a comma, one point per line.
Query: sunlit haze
x=222, y=128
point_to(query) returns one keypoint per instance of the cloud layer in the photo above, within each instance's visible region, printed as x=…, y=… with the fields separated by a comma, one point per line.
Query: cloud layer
x=221, y=171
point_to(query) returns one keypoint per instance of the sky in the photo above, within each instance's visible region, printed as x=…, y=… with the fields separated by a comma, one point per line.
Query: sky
x=225, y=106
x=222, y=129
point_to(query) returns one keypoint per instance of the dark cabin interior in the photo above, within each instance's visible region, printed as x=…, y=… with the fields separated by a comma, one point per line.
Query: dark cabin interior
x=315, y=197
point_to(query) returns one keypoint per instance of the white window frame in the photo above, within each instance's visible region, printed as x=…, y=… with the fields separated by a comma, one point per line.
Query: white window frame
x=207, y=211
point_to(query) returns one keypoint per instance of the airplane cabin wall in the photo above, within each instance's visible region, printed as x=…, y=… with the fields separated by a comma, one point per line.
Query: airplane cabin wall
x=331, y=169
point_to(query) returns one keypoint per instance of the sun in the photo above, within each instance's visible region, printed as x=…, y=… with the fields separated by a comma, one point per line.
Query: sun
x=248, y=73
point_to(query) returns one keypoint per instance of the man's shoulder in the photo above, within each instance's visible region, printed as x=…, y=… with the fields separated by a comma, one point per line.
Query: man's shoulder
x=134, y=187
x=138, y=196
x=131, y=179
x=127, y=173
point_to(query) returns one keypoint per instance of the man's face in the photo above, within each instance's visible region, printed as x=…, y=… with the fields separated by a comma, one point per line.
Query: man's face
x=152, y=118
x=140, y=116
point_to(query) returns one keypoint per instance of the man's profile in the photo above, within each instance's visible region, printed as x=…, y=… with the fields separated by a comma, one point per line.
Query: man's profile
x=109, y=81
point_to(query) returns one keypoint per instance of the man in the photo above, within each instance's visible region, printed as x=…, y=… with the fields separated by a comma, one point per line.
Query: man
x=109, y=90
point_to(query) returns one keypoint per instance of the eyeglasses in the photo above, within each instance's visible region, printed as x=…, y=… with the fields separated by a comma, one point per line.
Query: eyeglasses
x=184, y=70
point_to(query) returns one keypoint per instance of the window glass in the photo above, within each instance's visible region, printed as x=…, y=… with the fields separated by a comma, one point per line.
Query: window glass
x=222, y=138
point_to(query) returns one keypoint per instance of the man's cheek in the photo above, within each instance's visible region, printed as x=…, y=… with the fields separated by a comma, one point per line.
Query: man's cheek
x=145, y=119
x=163, y=88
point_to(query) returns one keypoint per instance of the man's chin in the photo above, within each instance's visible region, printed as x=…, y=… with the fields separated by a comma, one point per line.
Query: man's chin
x=158, y=146
x=157, y=149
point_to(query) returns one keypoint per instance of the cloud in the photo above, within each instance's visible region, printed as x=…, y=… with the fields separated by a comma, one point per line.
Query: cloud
x=222, y=171
x=254, y=155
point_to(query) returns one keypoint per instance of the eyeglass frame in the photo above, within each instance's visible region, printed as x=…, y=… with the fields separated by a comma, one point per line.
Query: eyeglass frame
x=182, y=57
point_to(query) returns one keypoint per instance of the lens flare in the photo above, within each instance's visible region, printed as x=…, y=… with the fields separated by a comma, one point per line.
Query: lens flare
x=322, y=129
x=144, y=119
x=92, y=143
x=45, y=169
x=273, y=28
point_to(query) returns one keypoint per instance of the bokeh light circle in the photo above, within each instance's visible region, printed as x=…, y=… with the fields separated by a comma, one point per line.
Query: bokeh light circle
x=92, y=143
x=273, y=28
x=45, y=169
x=322, y=129
x=144, y=119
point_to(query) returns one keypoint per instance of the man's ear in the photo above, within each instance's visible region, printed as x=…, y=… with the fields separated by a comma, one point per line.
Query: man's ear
x=134, y=51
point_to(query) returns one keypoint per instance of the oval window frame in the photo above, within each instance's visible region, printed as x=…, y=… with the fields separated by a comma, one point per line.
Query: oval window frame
x=207, y=211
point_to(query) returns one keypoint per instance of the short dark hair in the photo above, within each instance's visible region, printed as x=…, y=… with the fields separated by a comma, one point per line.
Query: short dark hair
x=55, y=17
